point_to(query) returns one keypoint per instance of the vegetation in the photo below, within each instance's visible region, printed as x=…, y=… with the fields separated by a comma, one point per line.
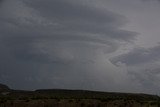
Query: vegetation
x=75, y=98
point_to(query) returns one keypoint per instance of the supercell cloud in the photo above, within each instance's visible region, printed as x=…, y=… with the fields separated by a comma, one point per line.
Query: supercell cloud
x=68, y=44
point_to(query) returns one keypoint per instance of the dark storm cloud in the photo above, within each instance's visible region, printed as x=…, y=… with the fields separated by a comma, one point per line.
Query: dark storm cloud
x=139, y=56
x=46, y=43
x=79, y=21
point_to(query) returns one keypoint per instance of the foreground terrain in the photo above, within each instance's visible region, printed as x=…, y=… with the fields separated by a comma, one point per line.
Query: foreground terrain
x=74, y=98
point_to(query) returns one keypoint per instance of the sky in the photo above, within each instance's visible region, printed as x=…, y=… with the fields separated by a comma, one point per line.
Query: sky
x=103, y=45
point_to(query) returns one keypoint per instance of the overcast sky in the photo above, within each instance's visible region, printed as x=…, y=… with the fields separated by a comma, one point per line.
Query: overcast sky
x=105, y=45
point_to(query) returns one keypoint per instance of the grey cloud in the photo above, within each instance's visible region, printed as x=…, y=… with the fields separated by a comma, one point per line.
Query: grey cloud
x=79, y=23
x=75, y=19
x=150, y=0
x=147, y=75
x=56, y=44
x=142, y=65
x=139, y=56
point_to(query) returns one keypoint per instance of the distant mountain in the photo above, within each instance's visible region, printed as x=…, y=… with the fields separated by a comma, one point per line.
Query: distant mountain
x=4, y=87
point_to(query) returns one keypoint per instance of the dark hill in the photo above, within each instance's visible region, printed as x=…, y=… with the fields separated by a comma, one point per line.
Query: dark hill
x=62, y=93
x=4, y=87
x=75, y=98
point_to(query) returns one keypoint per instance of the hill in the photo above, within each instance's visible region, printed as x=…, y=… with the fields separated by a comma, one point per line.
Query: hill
x=3, y=88
x=76, y=98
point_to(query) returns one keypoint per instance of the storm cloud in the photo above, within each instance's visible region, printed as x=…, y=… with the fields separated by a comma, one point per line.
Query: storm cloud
x=138, y=56
x=73, y=45
x=57, y=44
